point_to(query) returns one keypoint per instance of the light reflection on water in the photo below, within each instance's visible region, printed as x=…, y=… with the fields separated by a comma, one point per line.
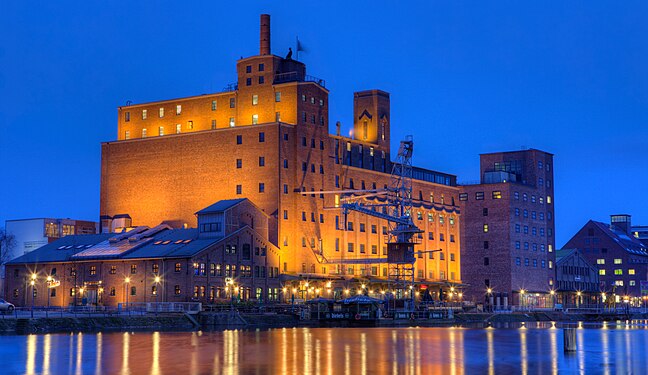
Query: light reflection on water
x=526, y=349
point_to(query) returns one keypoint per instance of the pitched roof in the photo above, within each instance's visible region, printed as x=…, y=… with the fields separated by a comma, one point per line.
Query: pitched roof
x=221, y=206
x=62, y=249
x=627, y=242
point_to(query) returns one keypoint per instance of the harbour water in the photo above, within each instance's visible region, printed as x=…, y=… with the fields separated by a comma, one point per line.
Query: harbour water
x=533, y=348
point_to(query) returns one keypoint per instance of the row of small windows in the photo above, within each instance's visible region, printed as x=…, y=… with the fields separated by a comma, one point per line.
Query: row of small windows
x=232, y=270
x=534, y=246
x=528, y=262
x=534, y=230
x=313, y=100
x=534, y=215
x=479, y=195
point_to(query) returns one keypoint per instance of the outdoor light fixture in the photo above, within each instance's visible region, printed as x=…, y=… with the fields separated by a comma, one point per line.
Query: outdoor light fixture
x=552, y=292
x=363, y=286
x=522, y=291
x=346, y=291
x=33, y=276
x=127, y=280
x=489, y=290
x=157, y=279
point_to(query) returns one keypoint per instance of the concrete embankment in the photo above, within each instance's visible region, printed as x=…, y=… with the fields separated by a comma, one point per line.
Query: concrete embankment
x=95, y=324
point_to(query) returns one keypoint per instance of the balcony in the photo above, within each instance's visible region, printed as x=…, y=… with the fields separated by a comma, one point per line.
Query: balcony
x=297, y=77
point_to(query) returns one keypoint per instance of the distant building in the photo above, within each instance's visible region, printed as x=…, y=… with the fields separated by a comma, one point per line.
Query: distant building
x=227, y=256
x=577, y=280
x=507, y=231
x=621, y=258
x=30, y=234
x=641, y=233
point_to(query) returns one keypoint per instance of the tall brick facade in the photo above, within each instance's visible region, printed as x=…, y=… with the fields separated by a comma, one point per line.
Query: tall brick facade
x=508, y=227
x=267, y=140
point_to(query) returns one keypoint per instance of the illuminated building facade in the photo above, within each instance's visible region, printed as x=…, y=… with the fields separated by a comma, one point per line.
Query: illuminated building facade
x=226, y=257
x=621, y=258
x=508, y=229
x=266, y=138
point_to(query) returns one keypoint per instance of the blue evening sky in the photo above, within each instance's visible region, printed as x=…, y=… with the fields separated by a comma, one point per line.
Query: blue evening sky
x=570, y=78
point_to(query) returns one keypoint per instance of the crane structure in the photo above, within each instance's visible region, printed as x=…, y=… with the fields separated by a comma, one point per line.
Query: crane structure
x=393, y=204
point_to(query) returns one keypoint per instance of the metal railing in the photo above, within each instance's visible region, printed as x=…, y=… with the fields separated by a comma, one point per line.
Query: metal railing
x=297, y=76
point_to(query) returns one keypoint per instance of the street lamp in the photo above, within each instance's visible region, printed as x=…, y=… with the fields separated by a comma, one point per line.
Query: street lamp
x=553, y=297
x=522, y=291
x=578, y=299
x=33, y=285
x=49, y=283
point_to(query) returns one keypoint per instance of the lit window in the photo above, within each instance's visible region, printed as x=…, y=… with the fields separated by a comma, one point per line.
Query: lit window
x=127, y=134
x=232, y=123
x=161, y=130
x=144, y=114
x=190, y=124
x=631, y=272
x=278, y=96
x=278, y=117
x=144, y=133
x=497, y=195
x=548, y=199
x=485, y=228
x=213, y=105
x=617, y=261
x=255, y=119
x=600, y=261
x=255, y=99
x=161, y=112
x=479, y=195
x=618, y=271
x=178, y=128
x=213, y=124
x=178, y=109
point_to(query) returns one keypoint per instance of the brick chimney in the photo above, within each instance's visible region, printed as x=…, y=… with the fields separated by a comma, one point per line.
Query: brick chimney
x=264, y=45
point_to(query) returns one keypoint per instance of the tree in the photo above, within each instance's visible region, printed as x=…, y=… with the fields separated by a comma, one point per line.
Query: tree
x=7, y=245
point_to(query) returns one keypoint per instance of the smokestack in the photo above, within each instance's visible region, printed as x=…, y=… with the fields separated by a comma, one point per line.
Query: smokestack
x=264, y=47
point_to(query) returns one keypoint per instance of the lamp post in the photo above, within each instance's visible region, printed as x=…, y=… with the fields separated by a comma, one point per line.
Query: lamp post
x=578, y=298
x=553, y=297
x=489, y=293
x=522, y=291
x=157, y=292
x=127, y=282
x=49, y=283
x=292, y=298
x=33, y=286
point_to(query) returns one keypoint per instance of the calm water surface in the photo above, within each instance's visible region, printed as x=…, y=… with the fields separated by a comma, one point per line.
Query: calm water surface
x=535, y=349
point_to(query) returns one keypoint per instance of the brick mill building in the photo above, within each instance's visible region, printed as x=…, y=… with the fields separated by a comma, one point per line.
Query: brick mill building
x=227, y=256
x=621, y=258
x=507, y=232
x=266, y=139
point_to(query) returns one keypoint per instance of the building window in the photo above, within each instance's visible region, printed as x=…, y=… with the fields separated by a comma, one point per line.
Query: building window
x=463, y=197
x=93, y=270
x=248, y=81
x=133, y=269
x=479, y=195
x=548, y=199
x=255, y=99
x=248, y=69
x=261, y=187
x=261, y=80
x=232, y=122
x=485, y=228
x=497, y=195
x=261, y=161
x=144, y=133
x=144, y=114
x=350, y=247
x=213, y=105
x=232, y=103
x=176, y=290
x=285, y=189
x=113, y=270
x=178, y=267
x=161, y=130
x=261, y=137
x=127, y=134
x=617, y=261
x=239, y=163
x=155, y=268
x=133, y=291
x=127, y=116
x=278, y=119
x=239, y=189
x=154, y=290
x=277, y=96
x=631, y=271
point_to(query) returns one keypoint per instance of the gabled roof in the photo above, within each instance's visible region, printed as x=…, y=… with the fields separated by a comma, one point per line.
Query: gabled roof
x=221, y=206
x=63, y=249
x=627, y=242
